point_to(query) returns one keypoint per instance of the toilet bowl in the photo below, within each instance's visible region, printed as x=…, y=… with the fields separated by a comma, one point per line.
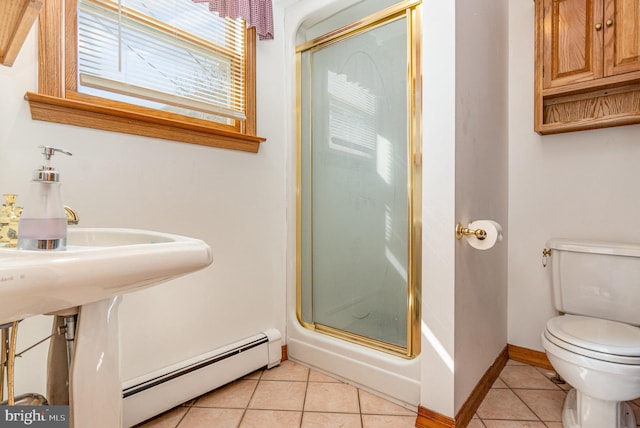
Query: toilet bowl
x=595, y=344
x=601, y=360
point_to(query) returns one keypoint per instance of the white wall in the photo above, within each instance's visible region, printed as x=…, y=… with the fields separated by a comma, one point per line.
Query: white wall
x=234, y=201
x=465, y=179
x=438, y=207
x=575, y=185
x=481, y=187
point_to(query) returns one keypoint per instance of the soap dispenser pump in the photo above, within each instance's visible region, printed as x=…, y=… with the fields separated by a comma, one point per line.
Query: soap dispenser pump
x=43, y=224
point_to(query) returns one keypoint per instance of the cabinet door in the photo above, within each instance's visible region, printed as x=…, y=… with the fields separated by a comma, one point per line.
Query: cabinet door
x=572, y=45
x=621, y=36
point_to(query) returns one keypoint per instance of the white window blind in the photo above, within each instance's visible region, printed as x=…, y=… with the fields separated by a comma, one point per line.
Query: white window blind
x=172, y=55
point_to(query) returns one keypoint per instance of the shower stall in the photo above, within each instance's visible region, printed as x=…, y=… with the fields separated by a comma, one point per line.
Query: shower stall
x=359, y=178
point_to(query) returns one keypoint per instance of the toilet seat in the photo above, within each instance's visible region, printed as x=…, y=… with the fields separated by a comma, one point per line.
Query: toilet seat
x=596, y=338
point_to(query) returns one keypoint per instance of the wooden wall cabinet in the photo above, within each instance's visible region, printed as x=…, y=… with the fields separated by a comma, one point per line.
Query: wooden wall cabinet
x=16, y=19
x=587, y=64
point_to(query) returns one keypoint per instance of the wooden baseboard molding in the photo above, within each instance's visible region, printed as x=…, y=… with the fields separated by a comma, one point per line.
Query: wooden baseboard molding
x=470, y=406
x=430, y=419
x=529, y=356
x=284, y=356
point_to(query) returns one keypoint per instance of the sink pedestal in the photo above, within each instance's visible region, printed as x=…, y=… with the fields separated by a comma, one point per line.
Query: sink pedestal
x=95, y=386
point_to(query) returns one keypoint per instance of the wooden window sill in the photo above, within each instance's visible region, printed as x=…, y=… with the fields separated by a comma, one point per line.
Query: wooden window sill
x=90, y=115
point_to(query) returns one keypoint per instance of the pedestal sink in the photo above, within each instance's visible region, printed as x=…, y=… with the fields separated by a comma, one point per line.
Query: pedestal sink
x=99, y=265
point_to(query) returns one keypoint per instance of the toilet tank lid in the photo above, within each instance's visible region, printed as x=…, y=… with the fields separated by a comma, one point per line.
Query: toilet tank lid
x=595, y=247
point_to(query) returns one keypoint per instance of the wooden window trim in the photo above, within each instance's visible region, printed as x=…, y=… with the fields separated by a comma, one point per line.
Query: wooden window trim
x=16, y=19
x=58, y=101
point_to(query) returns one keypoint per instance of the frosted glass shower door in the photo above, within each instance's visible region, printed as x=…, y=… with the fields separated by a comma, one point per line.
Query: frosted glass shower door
x=356, y=186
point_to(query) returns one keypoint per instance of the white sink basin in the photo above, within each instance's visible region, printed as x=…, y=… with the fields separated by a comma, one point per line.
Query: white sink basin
x=98, y=263
x=98, y=266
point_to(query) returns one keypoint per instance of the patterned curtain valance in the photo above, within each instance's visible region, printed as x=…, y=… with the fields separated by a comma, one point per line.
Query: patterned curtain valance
x=257, y=13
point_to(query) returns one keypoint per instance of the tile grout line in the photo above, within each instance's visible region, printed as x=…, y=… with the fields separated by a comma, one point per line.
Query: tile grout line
x=523, y=402
x=183, y=416
x=360, y=407
x=304, y=399
x=246, y=408
x=189, y=407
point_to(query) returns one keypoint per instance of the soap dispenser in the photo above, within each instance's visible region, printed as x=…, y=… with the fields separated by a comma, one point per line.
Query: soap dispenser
x=43, y=224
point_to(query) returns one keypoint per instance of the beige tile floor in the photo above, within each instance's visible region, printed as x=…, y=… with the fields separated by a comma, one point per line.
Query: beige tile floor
x=525, y=397
x=292, y=395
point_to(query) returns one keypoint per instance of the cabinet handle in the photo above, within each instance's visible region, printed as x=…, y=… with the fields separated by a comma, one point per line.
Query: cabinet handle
x=598, y=26
x=609, y=22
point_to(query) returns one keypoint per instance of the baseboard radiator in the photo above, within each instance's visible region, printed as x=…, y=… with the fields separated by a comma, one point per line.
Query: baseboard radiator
x=152, y=394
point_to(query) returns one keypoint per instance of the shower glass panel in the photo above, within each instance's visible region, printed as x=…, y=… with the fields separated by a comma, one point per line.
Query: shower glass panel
x=356, y=173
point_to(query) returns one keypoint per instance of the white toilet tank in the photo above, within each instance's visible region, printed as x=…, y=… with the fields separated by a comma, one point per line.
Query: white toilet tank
x=597, y=279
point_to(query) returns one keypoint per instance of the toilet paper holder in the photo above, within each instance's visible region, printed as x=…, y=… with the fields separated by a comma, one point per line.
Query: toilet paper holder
x=465, y=231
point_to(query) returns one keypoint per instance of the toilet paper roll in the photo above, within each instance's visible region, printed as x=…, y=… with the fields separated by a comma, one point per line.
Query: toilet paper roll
x=494, y=234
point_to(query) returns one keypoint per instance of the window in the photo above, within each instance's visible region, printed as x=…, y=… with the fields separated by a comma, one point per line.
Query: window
x=173, y=71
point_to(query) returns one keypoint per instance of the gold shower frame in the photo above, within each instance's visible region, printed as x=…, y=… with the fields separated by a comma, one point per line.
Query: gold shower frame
x=411, y=10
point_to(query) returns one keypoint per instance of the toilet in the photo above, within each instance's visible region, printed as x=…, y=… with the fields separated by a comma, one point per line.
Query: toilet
x=595, y=343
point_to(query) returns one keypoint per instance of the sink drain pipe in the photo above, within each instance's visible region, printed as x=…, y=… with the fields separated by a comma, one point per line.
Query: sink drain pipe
x=70, y=336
